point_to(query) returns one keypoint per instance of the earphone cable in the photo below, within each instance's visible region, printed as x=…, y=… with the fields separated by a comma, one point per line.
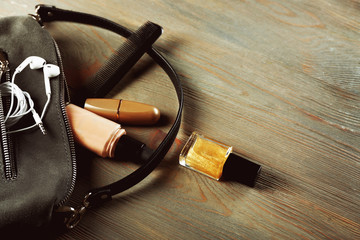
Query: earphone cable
x=24, y=105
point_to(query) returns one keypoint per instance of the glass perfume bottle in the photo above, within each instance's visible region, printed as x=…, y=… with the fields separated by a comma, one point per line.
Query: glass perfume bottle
x=217, y=161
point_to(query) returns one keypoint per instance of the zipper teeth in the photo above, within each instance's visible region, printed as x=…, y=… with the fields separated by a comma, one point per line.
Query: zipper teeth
x=10, y=140
x=12, y=157
x=9, y=164
x=4, y=142
x=72, y=152
x=67, y=126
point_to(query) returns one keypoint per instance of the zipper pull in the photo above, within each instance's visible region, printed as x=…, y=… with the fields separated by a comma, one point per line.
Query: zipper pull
x=4, y=63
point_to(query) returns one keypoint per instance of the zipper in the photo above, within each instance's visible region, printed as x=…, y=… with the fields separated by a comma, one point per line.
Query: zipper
x=64, y=90
x=6, y=140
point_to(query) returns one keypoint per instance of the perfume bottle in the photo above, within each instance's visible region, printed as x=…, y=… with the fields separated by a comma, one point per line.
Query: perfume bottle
x=217, y=161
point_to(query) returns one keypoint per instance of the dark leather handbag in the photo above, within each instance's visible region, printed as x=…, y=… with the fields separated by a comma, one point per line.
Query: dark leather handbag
x=38, y=172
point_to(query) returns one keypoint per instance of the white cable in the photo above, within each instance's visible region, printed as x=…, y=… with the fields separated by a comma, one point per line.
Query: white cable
x=46, y=105
x=24, y=106
x=24, y=103
x=12, y=88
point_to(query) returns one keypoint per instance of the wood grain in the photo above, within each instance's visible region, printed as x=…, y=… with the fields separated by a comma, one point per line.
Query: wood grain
x=278, y=80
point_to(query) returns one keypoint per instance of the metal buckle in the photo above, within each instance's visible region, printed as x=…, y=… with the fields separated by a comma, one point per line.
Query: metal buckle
x=37, y=16
x=74, y=215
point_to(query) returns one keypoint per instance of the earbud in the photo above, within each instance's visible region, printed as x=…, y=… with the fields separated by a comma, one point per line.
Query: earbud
x=21, y=110
x=35, y=62
x=50, y=71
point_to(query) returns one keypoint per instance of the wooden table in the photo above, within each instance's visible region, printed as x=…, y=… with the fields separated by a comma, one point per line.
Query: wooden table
x=277, y=80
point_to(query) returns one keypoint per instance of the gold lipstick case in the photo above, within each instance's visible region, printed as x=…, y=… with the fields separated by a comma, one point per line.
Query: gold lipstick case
x=123, y=111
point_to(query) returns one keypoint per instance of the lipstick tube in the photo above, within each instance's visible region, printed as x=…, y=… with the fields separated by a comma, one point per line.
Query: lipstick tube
x=217, y=161
x=123, y=111
x=104, y=137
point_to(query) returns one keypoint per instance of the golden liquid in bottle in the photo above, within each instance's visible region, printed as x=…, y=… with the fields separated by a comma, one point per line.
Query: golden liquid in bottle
x=205, y=155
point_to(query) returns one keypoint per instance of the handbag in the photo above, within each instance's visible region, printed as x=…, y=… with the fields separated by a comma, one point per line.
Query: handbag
x=38, y=172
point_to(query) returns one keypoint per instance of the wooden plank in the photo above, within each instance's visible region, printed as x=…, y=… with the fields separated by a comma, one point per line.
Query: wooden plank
x=278, y=80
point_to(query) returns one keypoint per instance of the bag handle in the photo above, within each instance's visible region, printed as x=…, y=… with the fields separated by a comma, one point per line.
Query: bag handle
x=48, y=13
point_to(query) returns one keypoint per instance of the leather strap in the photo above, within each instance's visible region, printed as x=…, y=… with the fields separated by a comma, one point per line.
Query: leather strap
x=50, y=13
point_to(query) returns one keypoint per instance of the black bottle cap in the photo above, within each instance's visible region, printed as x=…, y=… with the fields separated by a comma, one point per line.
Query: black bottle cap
x=239, y=169
x=131, y=149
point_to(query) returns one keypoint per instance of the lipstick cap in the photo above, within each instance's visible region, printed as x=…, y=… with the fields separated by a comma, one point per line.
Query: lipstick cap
x=240, y=169
x=123, y=111
x=107, y=108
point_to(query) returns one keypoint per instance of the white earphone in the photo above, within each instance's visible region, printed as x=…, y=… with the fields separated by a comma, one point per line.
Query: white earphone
x=35, y=62
x=22, y=108
x=50, y=71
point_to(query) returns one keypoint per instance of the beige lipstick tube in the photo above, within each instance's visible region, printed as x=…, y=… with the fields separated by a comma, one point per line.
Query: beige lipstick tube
x=94, y=132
